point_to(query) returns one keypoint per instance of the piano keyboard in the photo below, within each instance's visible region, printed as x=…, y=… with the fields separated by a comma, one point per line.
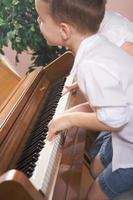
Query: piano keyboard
x=41, y=158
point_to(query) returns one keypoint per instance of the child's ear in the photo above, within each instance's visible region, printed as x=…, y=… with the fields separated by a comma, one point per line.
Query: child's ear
x=65, y=31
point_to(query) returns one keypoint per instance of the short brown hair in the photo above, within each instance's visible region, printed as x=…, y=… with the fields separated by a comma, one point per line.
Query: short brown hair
x=84, y=15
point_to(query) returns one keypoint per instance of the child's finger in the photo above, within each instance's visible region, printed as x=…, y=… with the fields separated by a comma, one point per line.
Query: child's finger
x=51, y=136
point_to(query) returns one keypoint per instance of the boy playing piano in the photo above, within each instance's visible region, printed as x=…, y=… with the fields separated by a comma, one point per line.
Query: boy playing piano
x=104, y=74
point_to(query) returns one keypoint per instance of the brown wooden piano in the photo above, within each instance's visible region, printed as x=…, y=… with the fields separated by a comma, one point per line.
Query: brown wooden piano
x=31, y=168
x=8, y=79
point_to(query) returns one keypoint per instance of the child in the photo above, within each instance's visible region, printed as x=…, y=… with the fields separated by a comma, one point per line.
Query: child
x=119, y=30
x=104, y=74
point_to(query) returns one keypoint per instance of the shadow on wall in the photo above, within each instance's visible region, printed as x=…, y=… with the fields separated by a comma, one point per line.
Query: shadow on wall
x=24, y=61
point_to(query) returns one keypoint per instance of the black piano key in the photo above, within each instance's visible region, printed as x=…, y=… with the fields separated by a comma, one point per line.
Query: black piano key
x=31, y=149
x=37, y=139
x=42, y=126
x=33, y=157
x=26, y=165
x=36, y=135
x=28, y=174
x=35, y=147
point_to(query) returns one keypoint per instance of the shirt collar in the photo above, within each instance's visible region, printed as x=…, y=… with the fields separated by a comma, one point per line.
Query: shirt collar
x=87, y=43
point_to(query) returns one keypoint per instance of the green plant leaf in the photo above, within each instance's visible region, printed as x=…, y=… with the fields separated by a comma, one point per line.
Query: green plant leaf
x=18, y=25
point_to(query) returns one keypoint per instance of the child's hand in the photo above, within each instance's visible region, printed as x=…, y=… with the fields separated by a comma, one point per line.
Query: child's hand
x=58, y=124
x=73, y=88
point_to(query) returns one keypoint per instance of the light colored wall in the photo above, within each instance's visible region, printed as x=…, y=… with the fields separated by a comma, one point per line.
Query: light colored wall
x=24, y=61
x=125, y=7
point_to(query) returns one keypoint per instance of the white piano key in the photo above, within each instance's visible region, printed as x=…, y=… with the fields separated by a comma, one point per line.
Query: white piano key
x=45, y=173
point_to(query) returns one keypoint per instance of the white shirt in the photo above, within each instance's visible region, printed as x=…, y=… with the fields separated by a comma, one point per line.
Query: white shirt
x=116, y=28
x=104, y=73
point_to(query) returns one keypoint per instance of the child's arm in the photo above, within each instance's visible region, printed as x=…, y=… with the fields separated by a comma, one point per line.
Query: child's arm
x=72, y=88
x=83, y=107
x=76, y=119
x=128, y=47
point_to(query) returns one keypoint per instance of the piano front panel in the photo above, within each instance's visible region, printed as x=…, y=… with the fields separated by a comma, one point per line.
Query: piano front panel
x=12, y=145
x=11, y=108
x=8, y=79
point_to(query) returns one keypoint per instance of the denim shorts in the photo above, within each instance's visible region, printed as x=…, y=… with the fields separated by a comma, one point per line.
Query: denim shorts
x=113, y=183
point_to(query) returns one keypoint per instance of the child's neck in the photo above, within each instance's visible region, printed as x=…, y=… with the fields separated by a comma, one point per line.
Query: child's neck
x=76, y=40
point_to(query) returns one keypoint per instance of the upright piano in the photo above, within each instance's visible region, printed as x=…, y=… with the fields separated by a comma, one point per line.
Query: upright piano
x=32, y=168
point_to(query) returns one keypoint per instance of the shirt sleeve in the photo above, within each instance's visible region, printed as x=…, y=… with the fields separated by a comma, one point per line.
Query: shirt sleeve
x=103, y=89
x=101, y=86
x=113, y=116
